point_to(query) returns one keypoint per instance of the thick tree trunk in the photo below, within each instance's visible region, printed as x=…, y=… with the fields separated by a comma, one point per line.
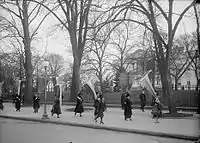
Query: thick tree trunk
x=75, y=81
x=29, y=75
x=176, y=83
x=28, y=65
x=198, y=55
x=167, y=90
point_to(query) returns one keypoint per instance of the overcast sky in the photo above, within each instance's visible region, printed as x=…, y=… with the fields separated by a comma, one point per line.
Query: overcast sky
x=59, y=43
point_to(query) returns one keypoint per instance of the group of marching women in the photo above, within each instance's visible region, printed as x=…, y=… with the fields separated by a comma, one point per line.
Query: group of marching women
x=99, y=105
x=126, y=105
x=17, y=102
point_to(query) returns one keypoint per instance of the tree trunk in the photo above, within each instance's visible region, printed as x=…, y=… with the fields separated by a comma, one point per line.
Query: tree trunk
x=29, y=75
x=28, y=65
x=198, y=55
x=176, y=83
x=167, y=90
x=75, y=81
x=101, y=83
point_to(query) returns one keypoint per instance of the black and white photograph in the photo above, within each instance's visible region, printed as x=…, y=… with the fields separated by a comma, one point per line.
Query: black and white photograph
x=99, y=71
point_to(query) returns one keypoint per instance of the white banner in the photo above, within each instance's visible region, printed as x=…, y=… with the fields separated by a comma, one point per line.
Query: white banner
x=61, y=87
x=92, y=88
x=145, y=82
x=19, y=87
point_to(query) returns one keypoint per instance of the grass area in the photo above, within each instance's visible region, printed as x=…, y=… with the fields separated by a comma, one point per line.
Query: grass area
x=176, y=115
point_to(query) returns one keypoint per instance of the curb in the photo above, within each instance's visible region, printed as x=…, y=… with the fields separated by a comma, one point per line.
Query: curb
x=135, y=131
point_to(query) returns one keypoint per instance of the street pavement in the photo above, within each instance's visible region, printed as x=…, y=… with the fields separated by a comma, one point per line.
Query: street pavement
x=142, y=122
x=17, y=131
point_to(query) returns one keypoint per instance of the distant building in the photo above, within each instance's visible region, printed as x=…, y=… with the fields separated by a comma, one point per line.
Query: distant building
x=139, y=63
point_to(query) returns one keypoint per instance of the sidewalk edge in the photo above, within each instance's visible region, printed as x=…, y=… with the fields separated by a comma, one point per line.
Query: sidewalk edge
x=159, y=134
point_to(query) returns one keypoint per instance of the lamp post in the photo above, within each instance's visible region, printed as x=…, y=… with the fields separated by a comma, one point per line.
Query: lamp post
x=45, y=116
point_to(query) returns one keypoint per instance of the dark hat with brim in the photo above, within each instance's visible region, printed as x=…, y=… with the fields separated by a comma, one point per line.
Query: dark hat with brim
x=127, y=94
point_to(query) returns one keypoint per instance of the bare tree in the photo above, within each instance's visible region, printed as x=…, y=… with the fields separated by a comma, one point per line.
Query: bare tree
x=146, y=10
x=21, y=16
x=180, y=63
x=56, y=64
x=191, y=48
x=121, y=43
x=96, y=53
x=76, y=23
x=197, y=15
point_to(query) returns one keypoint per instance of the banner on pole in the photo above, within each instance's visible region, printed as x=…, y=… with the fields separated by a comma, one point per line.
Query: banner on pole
x=91, y=87
x=145, y=82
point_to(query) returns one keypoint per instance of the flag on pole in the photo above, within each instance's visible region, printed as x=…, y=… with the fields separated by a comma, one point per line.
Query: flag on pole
x=60, y=84
x=145, y=82
x=92, y=89
x=19, y=87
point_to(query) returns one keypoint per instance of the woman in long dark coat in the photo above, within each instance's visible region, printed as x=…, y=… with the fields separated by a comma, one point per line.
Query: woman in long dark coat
x=142, y=99
x=36, y=103
x=157, y=110
x=17, y=102
x=101, y=107
x=127, y=107
x=123, y=97
x=79, y=105
x=96, y=104
x=1, y=103
x=56, y=109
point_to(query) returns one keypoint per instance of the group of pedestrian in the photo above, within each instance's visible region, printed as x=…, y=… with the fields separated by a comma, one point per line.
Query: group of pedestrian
x=17, y=102
x=99, y=106
x=126, y=105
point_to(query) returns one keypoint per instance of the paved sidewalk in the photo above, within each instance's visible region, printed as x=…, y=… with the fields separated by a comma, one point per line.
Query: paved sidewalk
x=142, y=123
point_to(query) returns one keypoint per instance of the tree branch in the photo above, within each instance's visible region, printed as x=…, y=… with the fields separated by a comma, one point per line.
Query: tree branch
x=180, y=17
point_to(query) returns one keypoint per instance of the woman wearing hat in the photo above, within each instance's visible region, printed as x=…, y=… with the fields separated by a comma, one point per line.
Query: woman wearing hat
x=79, y=105
x=142, y=99
x=1, y=103
x=127, y=107
x=17, y=102
x=123, y=97
x=101, y=107
x=56, y=109
x=156, y=111
x=36, y=102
